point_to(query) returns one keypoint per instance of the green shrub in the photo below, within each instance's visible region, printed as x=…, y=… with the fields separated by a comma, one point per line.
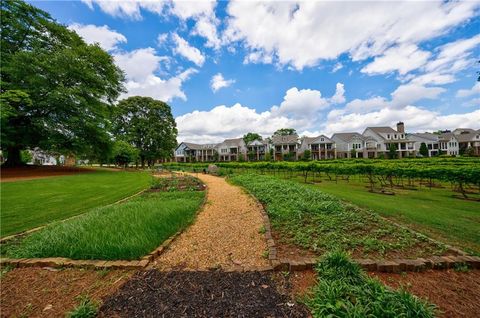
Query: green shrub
x=345, y=290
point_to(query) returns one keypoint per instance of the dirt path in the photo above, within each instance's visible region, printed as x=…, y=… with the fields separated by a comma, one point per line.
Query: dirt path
x=226, y=233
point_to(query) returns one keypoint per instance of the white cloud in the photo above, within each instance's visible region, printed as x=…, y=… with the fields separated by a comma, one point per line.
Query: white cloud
x=201, y=11
x=402, y=58
x=223, y=122
x=107, y=39
x=217, y=82
x=368, y=29
x=337, y=66
x=339, y=96
x=140, y=67
x=186, y=50
x=301, y=103
x=475, y=90
x=410, y=93
x=162, y=39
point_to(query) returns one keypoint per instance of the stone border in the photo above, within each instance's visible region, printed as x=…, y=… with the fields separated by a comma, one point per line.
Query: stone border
x=389, y=266
x=14, y=236
x=100, y=264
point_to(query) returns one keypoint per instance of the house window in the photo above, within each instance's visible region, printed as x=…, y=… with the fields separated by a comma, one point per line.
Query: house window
x=321, y=139
x=388, y=136
x=395, y=136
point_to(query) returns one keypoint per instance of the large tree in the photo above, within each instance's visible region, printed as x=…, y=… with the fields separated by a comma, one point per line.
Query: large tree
x=285, y=132
x=249, y=137
x=56, y=90
x=147, y=124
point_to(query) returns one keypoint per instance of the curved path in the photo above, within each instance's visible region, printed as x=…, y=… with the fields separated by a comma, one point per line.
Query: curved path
x=226, y=233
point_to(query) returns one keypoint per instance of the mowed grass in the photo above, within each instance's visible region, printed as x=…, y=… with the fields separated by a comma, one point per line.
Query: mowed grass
x=28, y=204
x=434, y=212
x=123, y=231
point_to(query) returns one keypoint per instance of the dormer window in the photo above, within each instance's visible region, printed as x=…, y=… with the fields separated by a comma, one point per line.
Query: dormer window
x=321, y=139
x=388, y=136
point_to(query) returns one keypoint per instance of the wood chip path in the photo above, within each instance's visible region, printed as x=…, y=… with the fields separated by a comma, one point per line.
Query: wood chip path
x=226, y=233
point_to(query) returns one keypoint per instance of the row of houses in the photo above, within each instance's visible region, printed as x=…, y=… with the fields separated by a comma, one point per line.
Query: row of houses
x=374, y=142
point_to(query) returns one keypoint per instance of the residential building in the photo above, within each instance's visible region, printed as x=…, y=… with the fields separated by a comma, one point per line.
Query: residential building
x=468, y=138
x=232, y=149
x=352, y=142
x=321, y=147
x=429, y=139
x=190, y=152
x=285, y=147
x=257, y=149
x=448, y=144
x=387, y=136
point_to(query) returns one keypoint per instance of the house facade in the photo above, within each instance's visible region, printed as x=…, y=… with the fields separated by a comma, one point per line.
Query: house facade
x=257, y=149
x=321, y=147
x=468, y=139
x=385, y=137
x=430, y=140
x=285, y=147
x=231, y=149
x=190, y=152
x=350, y=144
x=448, y=144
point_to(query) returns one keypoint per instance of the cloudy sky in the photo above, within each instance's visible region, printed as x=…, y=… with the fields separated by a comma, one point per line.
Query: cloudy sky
x=227, y=68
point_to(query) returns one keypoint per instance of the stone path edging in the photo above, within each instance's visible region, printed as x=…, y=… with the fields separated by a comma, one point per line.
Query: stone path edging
x=391, y=266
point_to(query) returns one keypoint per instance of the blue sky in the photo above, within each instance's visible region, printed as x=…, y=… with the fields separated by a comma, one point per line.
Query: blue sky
x=227, y=68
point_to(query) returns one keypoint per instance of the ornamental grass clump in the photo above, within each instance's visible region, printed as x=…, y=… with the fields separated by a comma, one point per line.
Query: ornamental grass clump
x=345, y=290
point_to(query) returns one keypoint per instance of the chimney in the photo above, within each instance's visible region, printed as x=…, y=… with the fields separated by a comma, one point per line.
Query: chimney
x=401, y=127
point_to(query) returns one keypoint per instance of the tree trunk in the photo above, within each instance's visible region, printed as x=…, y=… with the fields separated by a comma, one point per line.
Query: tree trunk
x=14, y=158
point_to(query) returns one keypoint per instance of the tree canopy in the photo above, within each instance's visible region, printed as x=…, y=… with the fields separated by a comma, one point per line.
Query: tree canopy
x=56, y=90
x=423, y=149
x=148, y=125
x=249, y=137
x=285, y=132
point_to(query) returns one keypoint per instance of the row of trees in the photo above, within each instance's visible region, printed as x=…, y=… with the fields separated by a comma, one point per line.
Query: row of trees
x=59, y=94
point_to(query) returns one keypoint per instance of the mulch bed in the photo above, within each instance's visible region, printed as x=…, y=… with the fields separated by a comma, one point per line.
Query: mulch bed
x=456, y=294
x=201, y=294
x=47, y=292
x=37, y=172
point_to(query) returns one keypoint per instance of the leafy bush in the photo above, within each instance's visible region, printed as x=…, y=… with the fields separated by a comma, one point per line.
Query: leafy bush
x=345, y=290
x=177, y=183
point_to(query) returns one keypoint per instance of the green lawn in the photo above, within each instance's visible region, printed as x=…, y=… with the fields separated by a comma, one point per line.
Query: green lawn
x=122, y=231
x=28, y=204
x=431, y=211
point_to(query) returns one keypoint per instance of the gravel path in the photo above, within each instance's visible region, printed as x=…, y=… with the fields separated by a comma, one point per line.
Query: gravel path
x=225, y=233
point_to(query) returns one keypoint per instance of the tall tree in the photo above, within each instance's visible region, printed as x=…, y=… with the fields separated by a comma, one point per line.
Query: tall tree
x=56, y=89
x=249, y=137
x=148, y=125
x=423, y=149
x=392, y=151
x=285, y=132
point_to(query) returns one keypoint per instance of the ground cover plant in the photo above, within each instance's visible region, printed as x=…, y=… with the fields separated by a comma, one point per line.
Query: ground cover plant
x=28, y=204
x=345, y=290
x=175, y=182
x=122, y=231
x=319, y=222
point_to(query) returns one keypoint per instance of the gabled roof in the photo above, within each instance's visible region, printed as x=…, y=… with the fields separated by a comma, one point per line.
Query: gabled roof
x=233, y=142
x=346, y=137
x=289, y=139
x=193, y=146
x=446, y=136
x=471, y=136
x=383, y=130
x=427, y=136
x=313, y=140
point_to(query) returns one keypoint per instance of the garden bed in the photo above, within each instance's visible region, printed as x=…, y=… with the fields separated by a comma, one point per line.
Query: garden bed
x=125, y=231
x=307, y=219
x=201, y=294
x=175, y=182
